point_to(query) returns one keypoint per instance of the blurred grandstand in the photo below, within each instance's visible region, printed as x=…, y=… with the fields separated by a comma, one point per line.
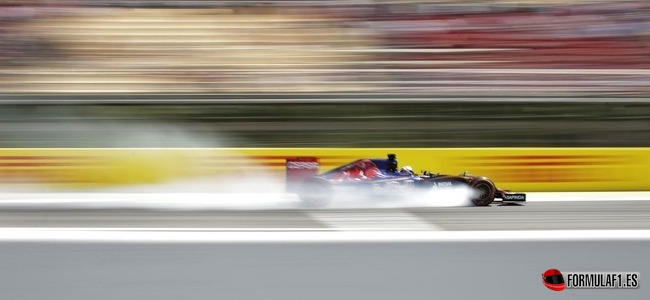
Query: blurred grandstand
x=573, y=48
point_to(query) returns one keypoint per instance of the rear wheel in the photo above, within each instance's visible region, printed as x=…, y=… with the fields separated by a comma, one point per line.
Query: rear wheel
x=316, y=193
x=485, y=193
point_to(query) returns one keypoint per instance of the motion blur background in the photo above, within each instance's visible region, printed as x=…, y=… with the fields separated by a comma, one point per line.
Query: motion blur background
x=340, y=73
x=349, y=74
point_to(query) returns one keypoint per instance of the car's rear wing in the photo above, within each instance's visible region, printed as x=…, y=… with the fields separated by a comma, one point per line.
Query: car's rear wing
x=300, y=168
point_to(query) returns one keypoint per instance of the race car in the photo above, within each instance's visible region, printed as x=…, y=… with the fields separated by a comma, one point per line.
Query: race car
x=381, y=178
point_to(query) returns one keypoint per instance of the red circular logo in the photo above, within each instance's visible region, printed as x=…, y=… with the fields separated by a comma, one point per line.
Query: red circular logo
x=553, y=279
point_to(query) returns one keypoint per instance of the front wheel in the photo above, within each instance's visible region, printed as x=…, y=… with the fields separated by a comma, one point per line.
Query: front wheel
x=484, y=193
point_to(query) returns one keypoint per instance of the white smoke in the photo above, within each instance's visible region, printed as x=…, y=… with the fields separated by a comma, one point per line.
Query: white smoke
x=246, y=188
x=442, y=197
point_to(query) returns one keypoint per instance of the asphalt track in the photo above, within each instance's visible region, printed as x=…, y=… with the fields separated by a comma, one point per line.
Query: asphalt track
x=104, y=253
x=573, y=215
x=377, y=271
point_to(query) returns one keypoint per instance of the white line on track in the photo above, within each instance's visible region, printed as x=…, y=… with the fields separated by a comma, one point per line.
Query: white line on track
x=244, y=200
x=198, y=229
x=58, y=235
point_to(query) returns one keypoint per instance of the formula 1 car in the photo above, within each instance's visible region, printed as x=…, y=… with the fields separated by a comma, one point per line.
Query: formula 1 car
x=381, y=178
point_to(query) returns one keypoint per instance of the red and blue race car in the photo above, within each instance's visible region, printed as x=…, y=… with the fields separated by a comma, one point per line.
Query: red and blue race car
x=381, y=178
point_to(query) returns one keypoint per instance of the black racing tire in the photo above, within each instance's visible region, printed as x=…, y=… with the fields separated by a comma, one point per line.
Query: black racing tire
x=485, y=192
x=316, y=192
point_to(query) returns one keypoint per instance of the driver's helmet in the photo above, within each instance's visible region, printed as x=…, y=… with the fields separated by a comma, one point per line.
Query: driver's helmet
x=407, y=169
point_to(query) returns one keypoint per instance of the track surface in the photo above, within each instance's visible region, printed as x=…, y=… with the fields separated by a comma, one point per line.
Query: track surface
x=532, y=216
x=287, y=271
x=54, y=267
